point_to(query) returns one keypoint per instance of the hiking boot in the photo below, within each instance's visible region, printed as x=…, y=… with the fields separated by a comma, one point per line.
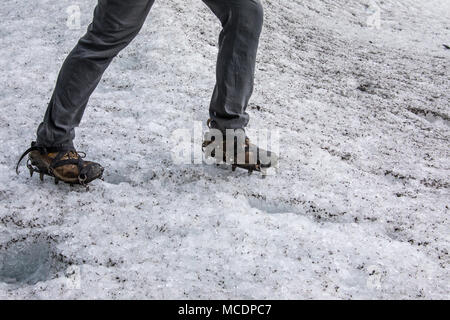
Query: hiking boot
x=240, y=153
x=63, y=164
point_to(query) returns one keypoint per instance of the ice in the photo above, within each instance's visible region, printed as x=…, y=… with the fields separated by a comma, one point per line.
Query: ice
x=27, y=261
x=357, y=209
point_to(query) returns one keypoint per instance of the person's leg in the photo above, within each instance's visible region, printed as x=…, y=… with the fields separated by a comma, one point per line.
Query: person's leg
x=242, y=22
x=115, y=24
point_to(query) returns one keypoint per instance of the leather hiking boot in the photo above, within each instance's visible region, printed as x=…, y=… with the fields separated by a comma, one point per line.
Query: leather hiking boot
x=66, y=165
x=237, y=151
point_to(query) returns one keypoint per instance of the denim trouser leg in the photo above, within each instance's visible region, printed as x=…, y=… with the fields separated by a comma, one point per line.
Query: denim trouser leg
x=115, y=24
x=242, y=22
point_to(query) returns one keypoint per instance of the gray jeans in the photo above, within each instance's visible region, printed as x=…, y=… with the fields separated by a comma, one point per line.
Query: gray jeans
x=115, y=24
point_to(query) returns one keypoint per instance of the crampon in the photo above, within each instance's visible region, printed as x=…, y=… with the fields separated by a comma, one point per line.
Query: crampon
x=239, y=154
x=65, y=165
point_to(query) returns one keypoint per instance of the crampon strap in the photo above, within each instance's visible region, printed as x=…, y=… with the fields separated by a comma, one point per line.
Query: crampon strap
x=56, y=161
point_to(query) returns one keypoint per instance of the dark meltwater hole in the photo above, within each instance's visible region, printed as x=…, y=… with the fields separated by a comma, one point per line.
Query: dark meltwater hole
x=27, y=261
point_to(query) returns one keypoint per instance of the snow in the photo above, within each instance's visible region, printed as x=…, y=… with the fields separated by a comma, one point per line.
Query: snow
x=357, y=210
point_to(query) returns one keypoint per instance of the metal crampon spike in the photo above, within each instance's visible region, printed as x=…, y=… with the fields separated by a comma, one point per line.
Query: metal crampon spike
x=233, y=167
x=250, y=171
x=81, y=180
x=41, y=176
x=30, y=167
x=56, y=180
